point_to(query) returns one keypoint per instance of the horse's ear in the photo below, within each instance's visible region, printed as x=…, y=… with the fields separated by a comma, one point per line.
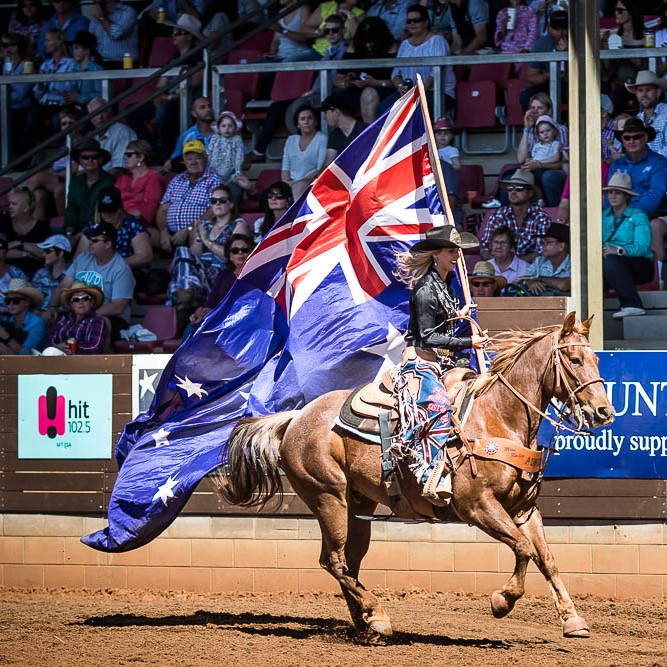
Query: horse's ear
x=568, y=324
x=587, y=325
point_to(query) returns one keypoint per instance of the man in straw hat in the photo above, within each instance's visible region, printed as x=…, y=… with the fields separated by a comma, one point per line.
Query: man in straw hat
x=432, y=346
x=649, y=89
x=24, y=331
x=626, y=252
x=484, y=281
x=525, y=218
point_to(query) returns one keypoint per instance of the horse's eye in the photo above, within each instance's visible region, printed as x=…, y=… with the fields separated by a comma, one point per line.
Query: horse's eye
x=576, y=361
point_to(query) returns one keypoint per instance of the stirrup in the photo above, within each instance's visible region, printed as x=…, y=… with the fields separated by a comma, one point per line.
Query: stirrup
x=438, y=489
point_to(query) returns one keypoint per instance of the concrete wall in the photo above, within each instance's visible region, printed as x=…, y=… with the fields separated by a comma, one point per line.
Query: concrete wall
x=205, y=554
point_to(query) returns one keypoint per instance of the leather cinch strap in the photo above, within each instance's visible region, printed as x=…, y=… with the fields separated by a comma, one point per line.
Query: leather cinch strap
x=507, y=451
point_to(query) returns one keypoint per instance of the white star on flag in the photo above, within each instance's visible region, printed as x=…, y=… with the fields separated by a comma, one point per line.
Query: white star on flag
x=161, y=437
x=147, y=383
x=391, y=350
x=192, y=388
x=165, y=491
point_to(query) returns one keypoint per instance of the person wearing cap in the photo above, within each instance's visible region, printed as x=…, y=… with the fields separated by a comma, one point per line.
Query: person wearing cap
x=649, y=90
x=626, y=246
x=85, y=187
x=23, y=331
x=504, y=259
x=7, y=272
x=549, y=274
x=444, y=131
x=114, y=138
x=57, y=251
x=84, y=52
x=432, y=342
x=526, y=219
x=117, y=30
x=187, y=197
x=132, y=241
x=647, y=169
x=484, y=281
x=202, y=130
x=343, y=127
x=80, y=321
x=23, y=231
x=102, y=266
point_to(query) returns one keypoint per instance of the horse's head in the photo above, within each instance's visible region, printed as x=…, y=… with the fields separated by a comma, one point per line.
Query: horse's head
x=578, y=382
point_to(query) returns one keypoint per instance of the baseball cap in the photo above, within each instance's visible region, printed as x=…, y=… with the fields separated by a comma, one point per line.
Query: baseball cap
x=193, y=146
x=56, y=241
x=109, y=200
x=101, y=229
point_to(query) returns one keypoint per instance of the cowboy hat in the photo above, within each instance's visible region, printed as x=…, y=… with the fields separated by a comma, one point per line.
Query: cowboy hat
x=90, y=145
x=188, y=23
x=88, y=41
x=647, y=78
x=79, y=286
x=22, y=287
x=636, y=125
x=445, y=237
x=525, y=178
x=621, y=182
x=485, y=270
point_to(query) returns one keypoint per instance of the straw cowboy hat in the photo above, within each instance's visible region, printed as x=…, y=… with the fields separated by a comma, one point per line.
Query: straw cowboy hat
x=485, y=270
x=79, y=286
x=646, y=78
x=188, y=23
x=525, y=178
x=21, y=287
x=636, y=125
x=621, y=182
x=445, y=237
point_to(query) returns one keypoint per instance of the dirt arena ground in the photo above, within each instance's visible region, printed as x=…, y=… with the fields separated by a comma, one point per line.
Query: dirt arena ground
x=126, y=627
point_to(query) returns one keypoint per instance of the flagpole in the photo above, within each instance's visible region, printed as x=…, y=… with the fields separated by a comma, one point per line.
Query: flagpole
x=442, y=189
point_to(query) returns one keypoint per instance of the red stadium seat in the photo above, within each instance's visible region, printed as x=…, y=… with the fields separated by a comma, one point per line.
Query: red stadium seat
x=471, y=178
x=162, y=51
x=243, y=56
x=476, y=102
x=498, y=73
x=513, y=112
x=161, y=320
x=265, y=178
x=261, y=41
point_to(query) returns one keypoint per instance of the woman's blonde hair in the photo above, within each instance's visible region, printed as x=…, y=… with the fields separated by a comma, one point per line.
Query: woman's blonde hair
x=411, y=267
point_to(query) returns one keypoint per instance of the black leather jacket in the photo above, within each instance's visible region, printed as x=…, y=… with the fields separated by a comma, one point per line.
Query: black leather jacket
x=432, y=304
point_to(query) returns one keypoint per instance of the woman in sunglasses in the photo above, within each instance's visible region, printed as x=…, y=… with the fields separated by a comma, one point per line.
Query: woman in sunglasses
x=80, y=330
x=276, y=199
x=23, y=331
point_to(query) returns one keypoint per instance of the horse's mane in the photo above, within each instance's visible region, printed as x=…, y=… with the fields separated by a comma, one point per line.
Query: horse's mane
x=509, y=346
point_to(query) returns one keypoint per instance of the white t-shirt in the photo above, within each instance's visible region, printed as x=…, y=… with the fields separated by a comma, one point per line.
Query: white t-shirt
x=448, y=153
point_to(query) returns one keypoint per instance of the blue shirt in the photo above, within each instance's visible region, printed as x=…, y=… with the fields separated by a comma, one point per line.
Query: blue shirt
x=394, y=17
x=191, y=134
x=75, y=23
x=173, y=9
x=36, y=328
x=188, y=202
x=20, y=94
x=123, y=35
x=52, y=93
x=89, y=88
x=649, y=179
x=542, y=267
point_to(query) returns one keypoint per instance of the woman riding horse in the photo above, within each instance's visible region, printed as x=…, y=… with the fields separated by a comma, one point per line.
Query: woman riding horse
x=432, y=347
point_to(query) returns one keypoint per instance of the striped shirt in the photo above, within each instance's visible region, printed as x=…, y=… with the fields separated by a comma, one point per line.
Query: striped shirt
x=123, y=35
x=188, y=202
x=536, y=222
x=90, y=333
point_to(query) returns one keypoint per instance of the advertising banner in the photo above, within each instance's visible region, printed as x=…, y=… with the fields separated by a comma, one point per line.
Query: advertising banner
x=64, y=416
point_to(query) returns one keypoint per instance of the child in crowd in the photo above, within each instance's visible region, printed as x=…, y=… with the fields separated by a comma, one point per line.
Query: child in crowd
x=444, y=137
x=225, y=151
x=547, y=148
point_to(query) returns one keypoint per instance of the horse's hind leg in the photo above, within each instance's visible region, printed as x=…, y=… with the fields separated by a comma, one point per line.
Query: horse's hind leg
x=573, y=624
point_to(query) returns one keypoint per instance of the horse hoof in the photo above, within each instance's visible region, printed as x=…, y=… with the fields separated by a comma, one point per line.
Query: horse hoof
x=380, y=626
x=576, y=627
x=500, y=606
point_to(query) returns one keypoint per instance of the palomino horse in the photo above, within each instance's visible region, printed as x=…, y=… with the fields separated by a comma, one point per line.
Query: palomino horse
x=339, y=477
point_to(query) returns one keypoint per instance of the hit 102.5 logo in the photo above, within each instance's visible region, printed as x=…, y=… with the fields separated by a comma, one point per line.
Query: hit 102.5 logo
x=57, y=415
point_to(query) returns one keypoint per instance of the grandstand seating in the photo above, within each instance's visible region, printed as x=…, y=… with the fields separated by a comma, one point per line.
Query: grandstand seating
x=161, y=320
x=265, y=178
x=476, y=103
x=162, y=51
x=471, y=178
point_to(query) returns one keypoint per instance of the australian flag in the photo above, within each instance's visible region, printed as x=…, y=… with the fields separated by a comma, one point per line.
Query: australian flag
x=315, y=308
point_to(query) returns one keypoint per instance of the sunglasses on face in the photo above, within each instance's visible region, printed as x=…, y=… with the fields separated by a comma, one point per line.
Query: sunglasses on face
x=14, y=300
x=80, y=299
x=619, y=10
x=515, y=188
x=413, y=21
x=331, y=31
x=239, y=251
x=482, y=283
x=178, y=33
x=89, y=157
x=632, y=137
x=219, y=200
x=131, y=153
x=275, y=195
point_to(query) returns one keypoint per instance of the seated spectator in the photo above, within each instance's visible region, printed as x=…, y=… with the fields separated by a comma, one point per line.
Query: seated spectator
x=527, y=220
x=22, y=331
x=173, y=9
x=516, y=28
x=650, y=93
x=305, y=153
x=549, y=273
x=365, y=90
x=103, y=267
x=484, y=281
x=49, y=186
x=187, y=198
x=393, y=12
x=87, y=59
x=547, y=150
x=444, y=131
x=202, y=130
x=132, y=240
x=504, y=259
x=276, y=199
x=80, y=323
x=471, y=22
x=225, y=152
x=66, y=18
x=28, y=22
x=57, y=252
x=114, y=138
x=50, y=96
x=20, y=94
x=313, y=25
x=627, y=259
x=140, y=187
x=23, y=231
x=7, y=273
x=85, y=187
x=343, y=126
x=421, y=42
x=610, y=145
x=117, y=30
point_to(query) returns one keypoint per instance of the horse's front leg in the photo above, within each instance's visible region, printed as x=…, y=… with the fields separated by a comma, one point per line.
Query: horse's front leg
x=573, y=624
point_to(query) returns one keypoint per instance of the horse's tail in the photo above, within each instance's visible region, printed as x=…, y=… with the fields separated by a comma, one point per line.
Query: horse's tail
x=252, y=475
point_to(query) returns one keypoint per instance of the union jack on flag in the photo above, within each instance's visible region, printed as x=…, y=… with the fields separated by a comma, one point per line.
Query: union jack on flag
x=315, y=308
